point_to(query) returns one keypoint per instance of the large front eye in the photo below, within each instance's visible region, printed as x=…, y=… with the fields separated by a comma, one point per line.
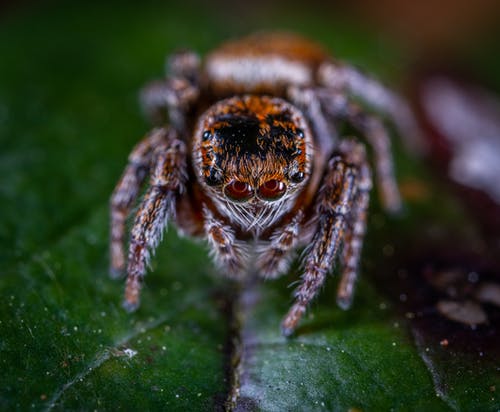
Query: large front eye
x=272, y=189
x=238, y=190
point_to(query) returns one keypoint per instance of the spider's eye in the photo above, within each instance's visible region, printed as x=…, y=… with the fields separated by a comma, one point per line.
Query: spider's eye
x=297, y=177
x=212, y=176
x=272, y=189
x=238, y=190
x=213, y=179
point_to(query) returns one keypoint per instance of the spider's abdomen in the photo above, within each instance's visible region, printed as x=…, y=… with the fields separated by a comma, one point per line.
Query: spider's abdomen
x=263, y=63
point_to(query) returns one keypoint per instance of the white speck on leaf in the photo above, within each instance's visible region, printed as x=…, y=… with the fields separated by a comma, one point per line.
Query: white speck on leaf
x=130, y=352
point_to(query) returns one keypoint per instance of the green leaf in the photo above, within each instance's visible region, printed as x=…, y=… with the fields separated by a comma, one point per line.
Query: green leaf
x=356, y=360
x=68, y=118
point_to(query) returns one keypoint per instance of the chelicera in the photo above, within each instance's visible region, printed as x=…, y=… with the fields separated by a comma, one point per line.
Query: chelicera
x=247, y=155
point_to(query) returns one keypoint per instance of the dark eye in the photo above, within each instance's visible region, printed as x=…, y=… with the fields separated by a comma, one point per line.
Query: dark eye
x=213, y=179
x=237, y=190
x=297, y=177
x=212, y=176
x=272, y=189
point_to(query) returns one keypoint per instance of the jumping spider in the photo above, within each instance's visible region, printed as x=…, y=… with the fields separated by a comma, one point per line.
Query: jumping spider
x=249, y=157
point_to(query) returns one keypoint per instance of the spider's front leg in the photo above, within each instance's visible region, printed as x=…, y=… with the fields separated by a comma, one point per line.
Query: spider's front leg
x=338, y=213
x=167, y=182
x=126, y=193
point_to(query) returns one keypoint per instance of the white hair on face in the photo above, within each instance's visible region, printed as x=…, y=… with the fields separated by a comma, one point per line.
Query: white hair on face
x=251, y=218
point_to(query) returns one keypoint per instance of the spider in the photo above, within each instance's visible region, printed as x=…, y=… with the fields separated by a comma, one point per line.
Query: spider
x=247, y=155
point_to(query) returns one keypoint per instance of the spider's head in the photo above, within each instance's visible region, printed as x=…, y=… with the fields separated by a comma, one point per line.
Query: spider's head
x=253, y=151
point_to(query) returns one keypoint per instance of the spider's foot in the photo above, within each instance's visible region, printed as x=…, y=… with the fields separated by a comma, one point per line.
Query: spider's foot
x=132, y=293
x=116, y=273
x=232, y=269
x=292, y=319
x=117, y=260
x=344, y=302
x=130, y=306
x=392, y=201
x=395, y=210
x=273, y=268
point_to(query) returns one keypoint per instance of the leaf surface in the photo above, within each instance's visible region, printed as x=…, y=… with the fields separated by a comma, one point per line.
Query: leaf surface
x=68, y=118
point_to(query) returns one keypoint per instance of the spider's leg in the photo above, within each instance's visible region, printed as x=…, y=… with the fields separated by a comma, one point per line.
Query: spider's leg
x=168, y=100
x=325, y=133
x=185, y=64
x=307, y=99
x=229, y=256
x=171, y=98
x=375, y=94
x=274, y=258
x=376, y=134
x=335, y=203
x=126, y=193
x=167, y=182
x=353, y=240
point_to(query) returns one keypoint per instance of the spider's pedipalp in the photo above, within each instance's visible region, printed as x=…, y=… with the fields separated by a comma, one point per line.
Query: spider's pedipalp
x=275, y=257
x=167, y=182
x=126, y=193
x=227, y=254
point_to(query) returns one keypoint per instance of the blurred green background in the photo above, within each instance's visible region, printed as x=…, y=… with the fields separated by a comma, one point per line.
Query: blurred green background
x=69, y=115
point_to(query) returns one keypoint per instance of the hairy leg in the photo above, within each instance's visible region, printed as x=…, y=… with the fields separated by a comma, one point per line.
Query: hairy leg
x=167, y=182
x=353, y=241
x=170, y=99
x=325, y=107
x=354, y=82
x=335, y=202
x=339, y=106
x=376, y=134
x=126, y=193
x=308, y=100
x=274, y=257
